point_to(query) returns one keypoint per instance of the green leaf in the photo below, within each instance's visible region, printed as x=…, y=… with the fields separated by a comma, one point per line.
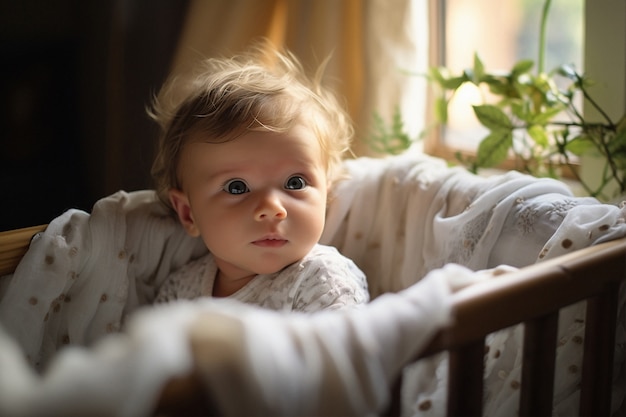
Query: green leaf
x=568, y=71
x=398, y=130
x=468, y=74
x=539, y=135
x=441, y=110
x=436, y=75
x=479, y=69
x=580, y=145
x=494, y=148
x=492, y=117
x=498, y=88
x=454, y=82
x=546, y=116
x=521, y=67
x=521, y=110
x=497, y=85
x=387, y=139
x=618, y=142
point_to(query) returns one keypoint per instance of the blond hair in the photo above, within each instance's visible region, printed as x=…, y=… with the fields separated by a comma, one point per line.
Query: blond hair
x=262, y=89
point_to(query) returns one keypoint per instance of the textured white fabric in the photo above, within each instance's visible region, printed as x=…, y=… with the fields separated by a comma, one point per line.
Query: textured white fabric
x=334, y=362
x=403, y=216
x=338, y=362
x=400, y=219
x=122, y=374
x=324, y=279
x=87, y=271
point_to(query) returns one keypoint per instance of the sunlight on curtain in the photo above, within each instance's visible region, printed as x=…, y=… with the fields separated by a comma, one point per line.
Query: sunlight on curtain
x=374, y=45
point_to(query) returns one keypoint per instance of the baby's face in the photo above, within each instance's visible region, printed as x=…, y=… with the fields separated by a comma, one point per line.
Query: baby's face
x=258, y=201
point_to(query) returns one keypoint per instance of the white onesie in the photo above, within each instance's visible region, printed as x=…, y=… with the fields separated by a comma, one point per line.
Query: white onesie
x=323, y=279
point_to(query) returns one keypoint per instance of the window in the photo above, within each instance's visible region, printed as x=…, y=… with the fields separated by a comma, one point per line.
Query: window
x=501, y=33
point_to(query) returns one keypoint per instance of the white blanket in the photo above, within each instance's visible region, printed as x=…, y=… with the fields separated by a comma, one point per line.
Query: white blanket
x=400, y=219
x=337, y=362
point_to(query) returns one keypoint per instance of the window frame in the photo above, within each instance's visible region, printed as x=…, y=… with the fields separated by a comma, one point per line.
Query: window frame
x=605, y=24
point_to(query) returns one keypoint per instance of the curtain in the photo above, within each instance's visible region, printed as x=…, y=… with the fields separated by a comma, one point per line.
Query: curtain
x=373, y=44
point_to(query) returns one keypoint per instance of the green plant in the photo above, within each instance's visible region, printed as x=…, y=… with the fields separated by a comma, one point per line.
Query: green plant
x=389, y=138
x=533, y=117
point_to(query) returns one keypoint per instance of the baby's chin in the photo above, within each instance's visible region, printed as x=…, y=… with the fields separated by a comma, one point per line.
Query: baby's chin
x=273, y=268
x=272, y=263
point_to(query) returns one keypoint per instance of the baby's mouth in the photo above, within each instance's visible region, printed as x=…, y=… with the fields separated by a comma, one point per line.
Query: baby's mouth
x=270, y=242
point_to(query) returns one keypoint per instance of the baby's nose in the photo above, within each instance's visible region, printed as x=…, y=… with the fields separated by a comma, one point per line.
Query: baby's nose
x=270, y=207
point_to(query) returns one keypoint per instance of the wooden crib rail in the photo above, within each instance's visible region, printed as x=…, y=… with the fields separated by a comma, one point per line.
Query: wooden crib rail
x=13, y=245
x=533, y=296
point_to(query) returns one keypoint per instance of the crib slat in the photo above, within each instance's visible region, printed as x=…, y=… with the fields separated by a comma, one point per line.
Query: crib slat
x=601, y=320
x=185, y=396
x=465, y=379
x=537, y=385
x=13, y=245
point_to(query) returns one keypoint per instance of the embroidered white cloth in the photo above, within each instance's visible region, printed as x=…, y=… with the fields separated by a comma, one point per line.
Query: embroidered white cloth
x=288, y=364
x=400, y=219
x=86, y=271
x=323, y=280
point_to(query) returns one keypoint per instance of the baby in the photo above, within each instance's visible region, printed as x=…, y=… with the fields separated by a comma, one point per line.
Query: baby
x=250, y=147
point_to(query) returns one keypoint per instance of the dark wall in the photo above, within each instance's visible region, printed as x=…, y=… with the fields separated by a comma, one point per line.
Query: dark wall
x=75, y=79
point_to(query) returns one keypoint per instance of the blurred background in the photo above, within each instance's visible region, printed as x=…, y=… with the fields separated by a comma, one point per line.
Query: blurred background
x=76, y=76
x=75, y=79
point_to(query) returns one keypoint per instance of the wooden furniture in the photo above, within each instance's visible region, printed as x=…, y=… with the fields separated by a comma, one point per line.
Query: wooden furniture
x=532, y=296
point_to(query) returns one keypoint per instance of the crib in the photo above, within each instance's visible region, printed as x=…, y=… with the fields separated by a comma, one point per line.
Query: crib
x=551, y=286
x=479, y=311
x=592, y=274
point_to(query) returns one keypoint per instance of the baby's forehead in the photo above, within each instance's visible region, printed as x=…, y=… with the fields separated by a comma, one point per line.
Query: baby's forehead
x=296, y=147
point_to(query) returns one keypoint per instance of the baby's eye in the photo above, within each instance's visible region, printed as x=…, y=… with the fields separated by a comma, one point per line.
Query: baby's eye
x=295, y=183
x=236, y=187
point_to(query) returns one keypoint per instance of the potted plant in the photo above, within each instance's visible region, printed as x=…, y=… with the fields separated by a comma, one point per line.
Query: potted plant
x=532, y=117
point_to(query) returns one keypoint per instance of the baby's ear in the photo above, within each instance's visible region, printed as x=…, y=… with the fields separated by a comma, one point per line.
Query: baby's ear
x=180, y=202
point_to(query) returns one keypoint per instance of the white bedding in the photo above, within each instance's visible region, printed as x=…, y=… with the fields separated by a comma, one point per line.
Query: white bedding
x=87, y=274
x=400, y=219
